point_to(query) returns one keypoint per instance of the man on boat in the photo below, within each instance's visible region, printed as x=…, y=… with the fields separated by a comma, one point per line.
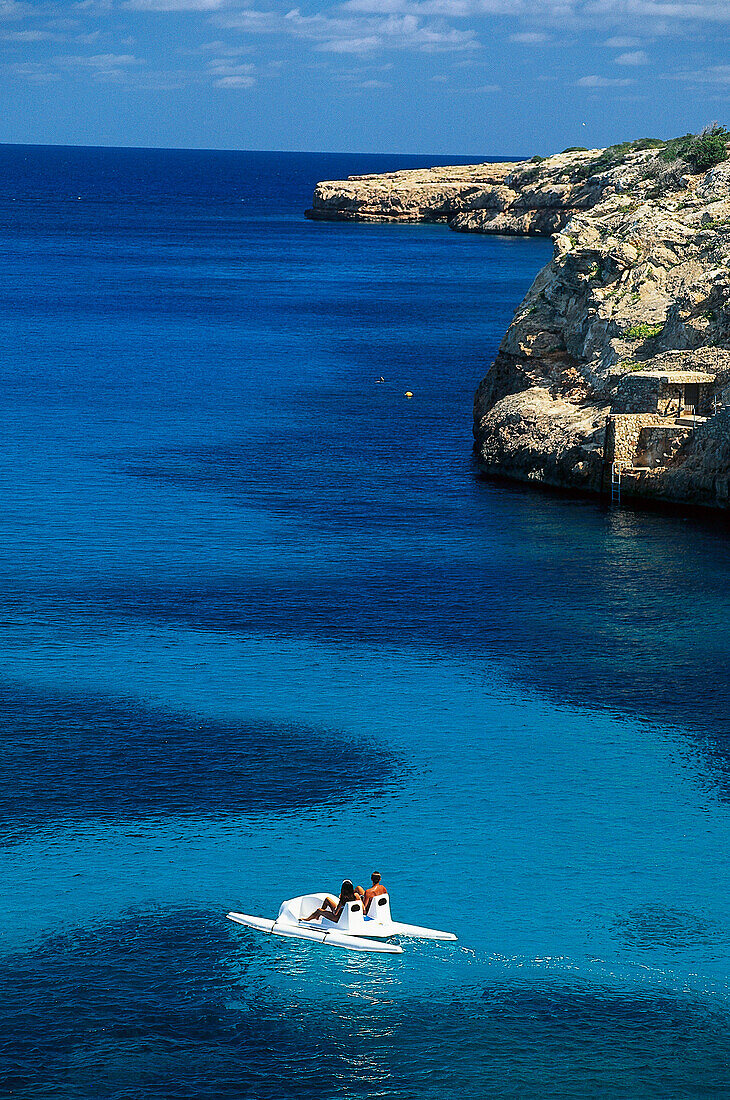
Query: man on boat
x=373, y=891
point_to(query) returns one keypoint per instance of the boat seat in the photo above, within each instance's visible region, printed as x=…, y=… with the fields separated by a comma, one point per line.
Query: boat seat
x=351, y=918
x=380, y=909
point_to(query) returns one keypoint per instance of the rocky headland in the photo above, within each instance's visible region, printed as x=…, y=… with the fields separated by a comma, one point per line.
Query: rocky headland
x=524, y=198
x=616, y=366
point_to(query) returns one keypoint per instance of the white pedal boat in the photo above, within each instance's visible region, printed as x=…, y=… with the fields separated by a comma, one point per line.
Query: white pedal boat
x=355, y=930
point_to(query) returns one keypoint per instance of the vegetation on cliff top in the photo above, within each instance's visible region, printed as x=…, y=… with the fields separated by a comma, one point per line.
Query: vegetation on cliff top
x=689, y=154
x=693, y=153
x=700, y=151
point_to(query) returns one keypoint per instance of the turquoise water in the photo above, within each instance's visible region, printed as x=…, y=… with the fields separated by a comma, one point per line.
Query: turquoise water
x=264, y=627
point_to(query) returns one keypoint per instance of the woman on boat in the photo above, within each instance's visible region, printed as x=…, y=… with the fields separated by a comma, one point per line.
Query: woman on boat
x=333, y=909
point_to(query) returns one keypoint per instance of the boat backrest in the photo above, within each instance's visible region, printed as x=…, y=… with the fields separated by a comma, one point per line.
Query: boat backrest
x=380, y=909
x=352, y=918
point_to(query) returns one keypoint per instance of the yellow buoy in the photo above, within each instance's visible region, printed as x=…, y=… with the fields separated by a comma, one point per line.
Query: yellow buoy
x=408, y=394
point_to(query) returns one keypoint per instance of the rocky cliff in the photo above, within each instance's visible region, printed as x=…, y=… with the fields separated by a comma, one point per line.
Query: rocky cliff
x=527, y=197
x=620, y=352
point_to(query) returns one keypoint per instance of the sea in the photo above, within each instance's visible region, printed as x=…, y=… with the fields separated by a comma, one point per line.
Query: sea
x=264, y=627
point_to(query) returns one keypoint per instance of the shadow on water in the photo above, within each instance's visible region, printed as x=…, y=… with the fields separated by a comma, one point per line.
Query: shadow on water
x=622, y=610
x=157, y=1003
x=92, y=756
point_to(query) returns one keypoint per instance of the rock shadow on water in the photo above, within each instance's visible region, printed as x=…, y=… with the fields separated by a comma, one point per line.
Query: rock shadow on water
x=94, y=756
x=176, y=1004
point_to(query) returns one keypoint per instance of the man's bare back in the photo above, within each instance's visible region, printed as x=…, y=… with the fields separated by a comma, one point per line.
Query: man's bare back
x=374, y=891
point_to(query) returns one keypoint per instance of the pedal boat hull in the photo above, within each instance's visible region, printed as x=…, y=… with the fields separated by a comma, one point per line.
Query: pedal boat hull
x=331, y=937
x=355, y=930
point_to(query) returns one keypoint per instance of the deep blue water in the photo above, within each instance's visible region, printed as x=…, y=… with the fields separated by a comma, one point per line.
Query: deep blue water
x=264, y=626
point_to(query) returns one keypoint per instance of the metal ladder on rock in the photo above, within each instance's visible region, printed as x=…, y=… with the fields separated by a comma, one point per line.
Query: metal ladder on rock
x=615, y=483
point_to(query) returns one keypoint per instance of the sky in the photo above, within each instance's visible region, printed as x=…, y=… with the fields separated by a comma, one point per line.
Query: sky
x=482, y=77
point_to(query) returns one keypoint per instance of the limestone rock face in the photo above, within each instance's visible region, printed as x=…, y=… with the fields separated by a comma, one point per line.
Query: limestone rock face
x=639, y=283
x=512, y=197
x=537, y=435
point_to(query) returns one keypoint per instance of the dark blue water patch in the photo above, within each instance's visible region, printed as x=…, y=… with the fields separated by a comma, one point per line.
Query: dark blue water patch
x=91, y=756
x=620, y=610
x=628, y=653
x=173, y=1005
x=666, y=928
x=617, y=611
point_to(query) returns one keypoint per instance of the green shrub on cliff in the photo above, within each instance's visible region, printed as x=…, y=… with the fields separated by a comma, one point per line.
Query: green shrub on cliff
x=643, y=331
x=614, y=155
x=700, y=152
x=529, y=175
x=710, y=149
x=692, y=153
x=647, y=143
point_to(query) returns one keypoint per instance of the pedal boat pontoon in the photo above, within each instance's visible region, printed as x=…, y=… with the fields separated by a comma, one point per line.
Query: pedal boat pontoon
x=355, y=930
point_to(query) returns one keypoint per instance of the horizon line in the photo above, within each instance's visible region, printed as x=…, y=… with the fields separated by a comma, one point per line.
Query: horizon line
x=227, y=149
